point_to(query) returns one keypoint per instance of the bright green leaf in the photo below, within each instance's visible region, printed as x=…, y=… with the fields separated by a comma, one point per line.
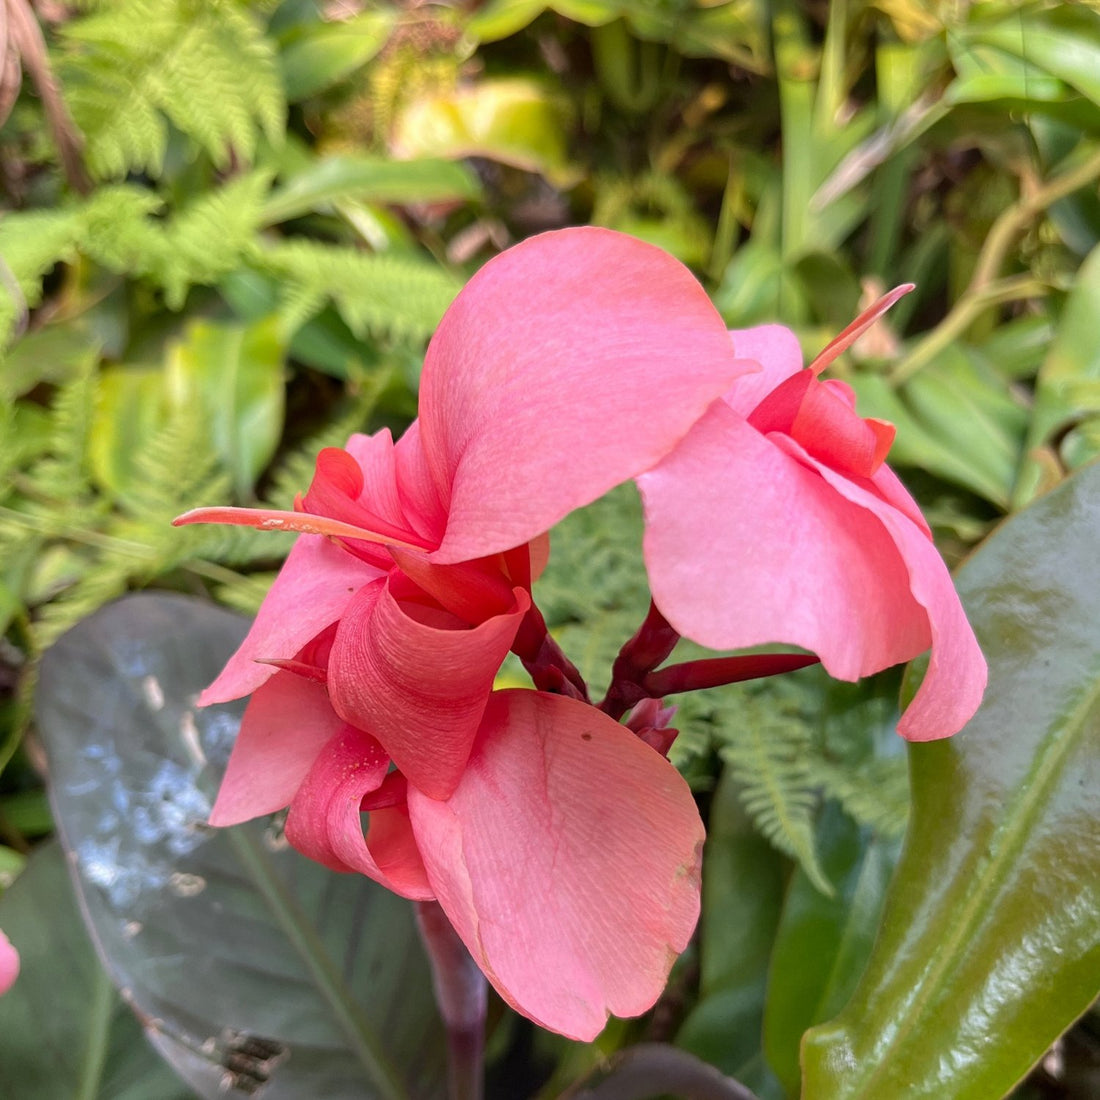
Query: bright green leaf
x=369, y=179
x=236, y=373
x=322, y=54
x=990, y=943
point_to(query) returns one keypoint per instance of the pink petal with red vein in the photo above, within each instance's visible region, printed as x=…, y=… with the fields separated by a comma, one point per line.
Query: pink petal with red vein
x=285, y=725
x=568, y=364
x=311, y=591
x=731, y=512
x=9, y=964
x=416, y=683
x=567, y=860
x=325, y=824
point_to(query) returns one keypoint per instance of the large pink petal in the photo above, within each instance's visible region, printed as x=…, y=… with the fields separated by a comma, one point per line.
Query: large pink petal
x=568, y=861
x=955, y=681
x=9, y=964
x=325, y=824
x=567, y=365
x=311, y=591
x=287, y=722
x=418, y=686
x=792, y=561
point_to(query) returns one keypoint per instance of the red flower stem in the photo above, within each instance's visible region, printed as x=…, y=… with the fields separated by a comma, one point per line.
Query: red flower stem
x=461, y=993
x=544, y=659
x=653, y=642
x=715, y=671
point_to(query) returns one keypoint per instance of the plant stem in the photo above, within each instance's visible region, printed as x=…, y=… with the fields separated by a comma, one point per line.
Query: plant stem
x=461, y=993
x=984, y=289
x=962, y=315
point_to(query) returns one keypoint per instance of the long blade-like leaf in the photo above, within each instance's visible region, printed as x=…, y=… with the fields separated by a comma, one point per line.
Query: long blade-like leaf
x=990, y=946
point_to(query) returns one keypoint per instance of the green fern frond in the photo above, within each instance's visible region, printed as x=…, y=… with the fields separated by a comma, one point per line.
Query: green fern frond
x=30, y=244
x=875, y=794
x=63, y=474
x=133, y=66
x=210, y=237
x=768, y=748
x=376, y=295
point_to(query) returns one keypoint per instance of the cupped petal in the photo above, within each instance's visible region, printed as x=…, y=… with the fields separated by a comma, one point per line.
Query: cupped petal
x=286, y=724
x=325, y=823
x=732, y=512
x=314, y=586
x=568, y=364
x=567, y=859
x=419, y=686
x=777, y=355
x=9, y=964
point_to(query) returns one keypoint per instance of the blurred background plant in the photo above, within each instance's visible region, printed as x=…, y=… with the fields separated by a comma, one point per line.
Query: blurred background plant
x=230, y=227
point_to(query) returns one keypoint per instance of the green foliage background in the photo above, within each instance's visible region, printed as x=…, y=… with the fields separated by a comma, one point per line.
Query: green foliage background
x=230, y=230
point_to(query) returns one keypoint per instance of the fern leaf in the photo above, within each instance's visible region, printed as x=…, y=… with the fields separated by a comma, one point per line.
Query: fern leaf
x=767, y=748
x=132, y=67
x=376, y=295
x=875, y=794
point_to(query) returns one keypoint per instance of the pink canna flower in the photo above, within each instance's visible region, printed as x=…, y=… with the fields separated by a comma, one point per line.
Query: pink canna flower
x=379, y=642
x=776, y=520
x=9, y=964
x=564, y=848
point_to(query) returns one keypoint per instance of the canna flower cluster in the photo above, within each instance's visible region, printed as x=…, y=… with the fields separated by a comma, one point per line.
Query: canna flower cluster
x=559, y=841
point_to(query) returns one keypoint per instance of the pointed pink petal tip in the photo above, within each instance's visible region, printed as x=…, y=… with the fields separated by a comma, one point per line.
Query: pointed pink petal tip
x=859, y=326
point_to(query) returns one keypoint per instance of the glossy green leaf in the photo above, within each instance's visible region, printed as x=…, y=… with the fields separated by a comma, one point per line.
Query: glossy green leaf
x=319, y=55
x=369, y=179
x=256, y=964
x=65, y=1033
x=990, y=943
x=1067, y=389
x=823, y=942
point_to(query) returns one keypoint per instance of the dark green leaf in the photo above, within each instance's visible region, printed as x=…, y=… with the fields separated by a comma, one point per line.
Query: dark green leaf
x=66, y=1033
x=743, y=883
x=246, y=954
x=823, y=943
x=990, y=944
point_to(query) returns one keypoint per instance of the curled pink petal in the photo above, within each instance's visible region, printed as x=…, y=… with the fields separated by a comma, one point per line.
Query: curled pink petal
x=774, y=354
x=568, y=364
x=287, y=722
x=418, y=679
x=729, y=511
x=567, y=859
x=324, y=821
x=314, y=586
x=9, y=964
